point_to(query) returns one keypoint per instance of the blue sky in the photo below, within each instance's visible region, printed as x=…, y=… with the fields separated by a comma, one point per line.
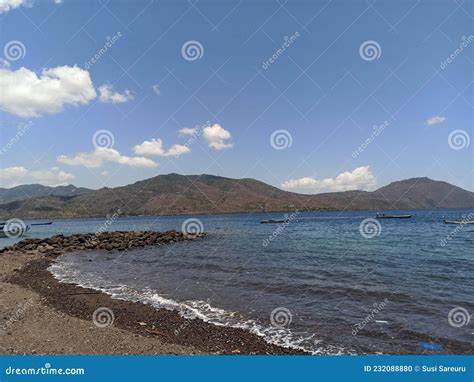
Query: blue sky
x=284, y=92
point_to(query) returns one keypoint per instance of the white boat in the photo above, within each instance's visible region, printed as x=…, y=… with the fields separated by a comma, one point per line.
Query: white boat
x=458, y=221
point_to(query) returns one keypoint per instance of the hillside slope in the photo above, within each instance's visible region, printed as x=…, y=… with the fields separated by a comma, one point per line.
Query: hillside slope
x=180, y=194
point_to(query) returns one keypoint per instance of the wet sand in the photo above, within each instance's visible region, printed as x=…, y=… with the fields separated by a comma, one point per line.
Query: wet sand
x=40, y=315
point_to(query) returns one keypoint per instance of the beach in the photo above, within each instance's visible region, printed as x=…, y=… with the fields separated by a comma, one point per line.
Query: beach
x=225, y=293
x=40, y=315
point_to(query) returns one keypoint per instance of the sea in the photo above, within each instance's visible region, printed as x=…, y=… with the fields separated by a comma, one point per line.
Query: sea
x=324, y=282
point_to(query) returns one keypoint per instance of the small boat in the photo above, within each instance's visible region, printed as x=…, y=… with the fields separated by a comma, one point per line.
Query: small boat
x=274, y=221
x=47, y=223
x=446, y=221
x=385, y=216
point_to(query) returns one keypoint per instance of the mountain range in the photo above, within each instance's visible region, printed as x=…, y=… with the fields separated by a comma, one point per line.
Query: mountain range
x=29, y=191
x=173, y=194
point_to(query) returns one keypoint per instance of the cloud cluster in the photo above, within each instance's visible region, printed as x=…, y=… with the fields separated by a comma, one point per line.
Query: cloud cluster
x=360, y=178
x=107, y=95
x=216, y=137
x=8, y=5
x=436, y=120
x=12, y=176
x=26, y=95
x=101, y=155
x=154, y=147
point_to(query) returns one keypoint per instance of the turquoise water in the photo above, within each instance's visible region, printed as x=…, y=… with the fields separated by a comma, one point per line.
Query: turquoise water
x=331, y=289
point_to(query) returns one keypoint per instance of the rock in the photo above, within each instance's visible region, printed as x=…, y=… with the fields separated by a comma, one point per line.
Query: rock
x=109, y=241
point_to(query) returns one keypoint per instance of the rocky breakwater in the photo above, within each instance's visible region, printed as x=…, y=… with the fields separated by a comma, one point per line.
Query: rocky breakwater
x=109, y=241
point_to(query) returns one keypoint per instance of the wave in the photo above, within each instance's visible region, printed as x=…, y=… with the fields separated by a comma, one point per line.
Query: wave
x=198, y=309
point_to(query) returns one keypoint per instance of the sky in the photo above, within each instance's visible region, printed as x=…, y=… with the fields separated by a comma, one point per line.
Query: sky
x=309, y=96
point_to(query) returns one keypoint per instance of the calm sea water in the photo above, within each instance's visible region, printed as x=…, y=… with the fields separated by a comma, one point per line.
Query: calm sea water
x=316, y=283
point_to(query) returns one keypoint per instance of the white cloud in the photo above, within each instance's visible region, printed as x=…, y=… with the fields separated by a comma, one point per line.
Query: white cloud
x=24, y=94
x=13, y=172
x=7, y=5
x=435, y=120
x=216, y=136
x=187, y=131
x=155, y=147
x=101, y=155
x=12, y=176
x=54, y=176
x=360, y=178
x=156, y=89
x=107, y=95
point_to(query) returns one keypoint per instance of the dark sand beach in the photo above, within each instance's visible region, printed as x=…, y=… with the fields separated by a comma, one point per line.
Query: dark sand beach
x=40, y=315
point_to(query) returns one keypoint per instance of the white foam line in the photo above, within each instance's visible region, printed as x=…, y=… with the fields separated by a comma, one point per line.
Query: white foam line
x=196, y=309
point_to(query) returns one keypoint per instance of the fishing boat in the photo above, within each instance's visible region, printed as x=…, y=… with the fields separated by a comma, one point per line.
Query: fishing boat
x=274, y=221
x=385, y=216
x=446, y=221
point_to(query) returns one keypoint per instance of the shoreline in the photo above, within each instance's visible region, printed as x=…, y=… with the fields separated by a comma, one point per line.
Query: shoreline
x=139, y=328
x=42, y=315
